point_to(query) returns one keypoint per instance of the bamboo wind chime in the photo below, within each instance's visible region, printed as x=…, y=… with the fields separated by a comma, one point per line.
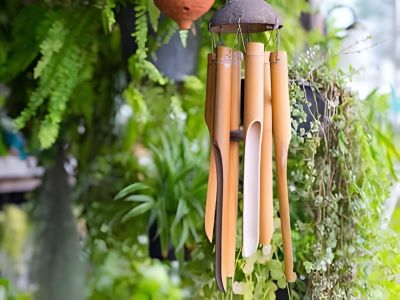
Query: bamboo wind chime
x=266, y=120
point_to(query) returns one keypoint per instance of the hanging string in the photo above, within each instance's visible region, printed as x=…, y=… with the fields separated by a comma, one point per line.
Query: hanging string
x=212, y=37
x=241, y=35
x=271, y=33
x=220, y=39
x=278, y=38
x=248, y=33
x=236, y=39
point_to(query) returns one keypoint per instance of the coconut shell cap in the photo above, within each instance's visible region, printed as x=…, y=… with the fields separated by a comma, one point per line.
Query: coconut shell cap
x=253, y=16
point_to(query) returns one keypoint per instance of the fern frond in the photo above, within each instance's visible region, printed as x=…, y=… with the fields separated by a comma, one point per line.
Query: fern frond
x=141, y=29
x=107, y=14
x=50, y=46
x=64, y=63
x=139, y=65
x=136, y=101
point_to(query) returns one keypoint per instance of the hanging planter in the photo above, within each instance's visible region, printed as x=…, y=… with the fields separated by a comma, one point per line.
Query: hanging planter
x=314, y=107
x=184, y=12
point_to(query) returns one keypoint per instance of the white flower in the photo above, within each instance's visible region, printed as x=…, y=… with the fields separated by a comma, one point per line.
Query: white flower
x=238, y=288
x=248, y=268
x=266, y=250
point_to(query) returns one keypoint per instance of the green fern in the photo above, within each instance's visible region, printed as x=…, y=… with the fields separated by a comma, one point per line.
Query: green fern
x=64, y=63
x=154, y=14
x=21, y=50
x=139, y=66
x=107, y=15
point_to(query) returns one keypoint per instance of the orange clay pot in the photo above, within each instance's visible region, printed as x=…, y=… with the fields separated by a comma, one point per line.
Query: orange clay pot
x=184, y=12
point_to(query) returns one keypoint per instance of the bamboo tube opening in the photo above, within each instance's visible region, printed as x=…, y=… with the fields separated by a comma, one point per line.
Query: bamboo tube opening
x=253, y=118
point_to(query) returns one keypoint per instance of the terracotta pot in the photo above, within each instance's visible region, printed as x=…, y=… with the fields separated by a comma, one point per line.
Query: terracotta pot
x=184, y=12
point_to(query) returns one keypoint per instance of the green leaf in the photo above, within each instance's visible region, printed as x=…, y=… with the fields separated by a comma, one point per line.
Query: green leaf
x=138, y=210
x=138, y=186
x=180, y=212
x=139, y=198
x=152, y=72
x=271, y=288
x=275, y=265
x=308, y=266
x=154, y=14
x=108, y=16
x=184, y=34
x=277, y=274
x=281, y=283
x=184, y=236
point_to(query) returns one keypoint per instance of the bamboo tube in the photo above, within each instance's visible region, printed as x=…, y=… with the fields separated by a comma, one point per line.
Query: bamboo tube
x=281, y=127
x=253, y=119
x=266, y=195
x=232, y=204
x=209, y=214
x=221, y=147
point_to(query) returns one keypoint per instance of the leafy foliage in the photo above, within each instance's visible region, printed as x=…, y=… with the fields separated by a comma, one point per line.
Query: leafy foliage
x=338, y=187
x=66, y=57
x=171, y=193
x=130, y=276
x=7, y=293
x=138, y=63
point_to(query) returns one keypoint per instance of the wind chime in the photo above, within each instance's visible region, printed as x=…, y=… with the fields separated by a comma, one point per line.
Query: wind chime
x=266, y=119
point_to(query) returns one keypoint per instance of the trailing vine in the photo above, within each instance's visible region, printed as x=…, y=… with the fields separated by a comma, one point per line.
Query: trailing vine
x=338, y=187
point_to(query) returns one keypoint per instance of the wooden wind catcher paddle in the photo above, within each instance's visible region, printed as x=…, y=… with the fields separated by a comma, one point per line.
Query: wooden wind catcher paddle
x=266, y=120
